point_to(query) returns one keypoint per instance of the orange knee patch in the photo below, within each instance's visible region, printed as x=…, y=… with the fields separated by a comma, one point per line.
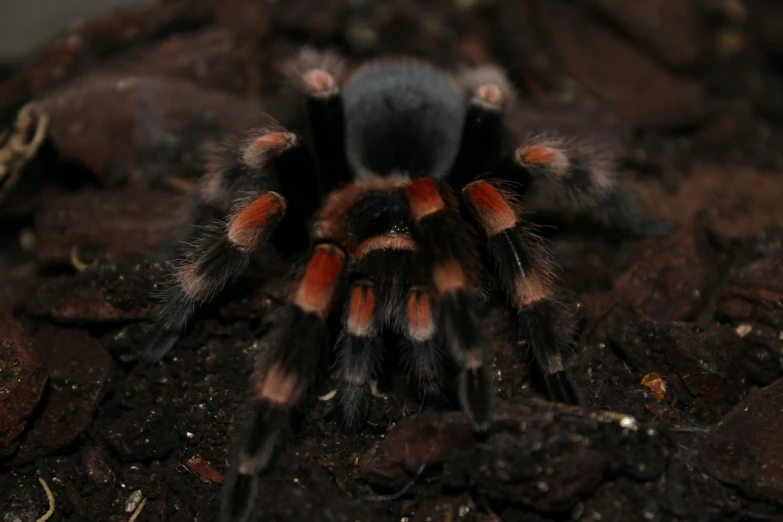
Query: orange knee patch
x=490, y=95
x=320, y=281
x=449, y=276
x=248, y=226
x=362, y=310
x=259, y=150
x=420, y=324
x=386, y=242
x=320, y=83
x=193, y=284
x=531, y=290
x=279, y=387
x=424, y=198
x=543, y=156
x=491, y=207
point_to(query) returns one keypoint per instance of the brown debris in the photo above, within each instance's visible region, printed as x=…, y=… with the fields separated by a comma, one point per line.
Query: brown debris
x=78, y=371
x=213, y=58
x=447, y=509
x=733, y=202
x=657, y=385
x=201, y=467
x=643, y=92
x=744, y=448
x=107, y=293
x=674, y=31
x=142, y=434
x=764, y=17
x=699, y=368
x=753, y=294
x=100, y=37
x=752, y=301
x=93, y=460
x=540, y=455
x=667, y=277
x=23, y=375
x=135, y=129
x=152, y=223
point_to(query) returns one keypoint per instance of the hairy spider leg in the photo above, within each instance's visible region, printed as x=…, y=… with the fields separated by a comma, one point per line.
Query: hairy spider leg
x=359, y=352
x=222, y=252
x=524, y=267
x=421, y=349
x=448, y=247
x=292, y=354
x=573, y=175
x=327, y=121
x=388, y=257
x=318, y=74
x=577, y=177
x=482, y=135
x=296, y=345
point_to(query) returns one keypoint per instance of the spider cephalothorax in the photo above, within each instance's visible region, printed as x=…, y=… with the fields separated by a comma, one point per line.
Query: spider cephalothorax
x=410, y=203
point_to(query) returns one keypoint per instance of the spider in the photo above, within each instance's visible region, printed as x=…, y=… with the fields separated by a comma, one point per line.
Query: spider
x=406, y=200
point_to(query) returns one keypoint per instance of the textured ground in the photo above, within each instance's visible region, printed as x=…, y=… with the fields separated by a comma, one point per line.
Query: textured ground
x=681, y=338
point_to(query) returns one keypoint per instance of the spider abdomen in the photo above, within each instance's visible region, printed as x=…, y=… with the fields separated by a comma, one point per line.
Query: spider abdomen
x=402, y=116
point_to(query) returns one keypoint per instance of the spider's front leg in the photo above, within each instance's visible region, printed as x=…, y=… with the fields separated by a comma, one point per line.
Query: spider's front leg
x=448, y=248
x=389, y=292
x=421, y=347
x=291, y=358
x=358, y=352
x=222, y=252
x=524, y=267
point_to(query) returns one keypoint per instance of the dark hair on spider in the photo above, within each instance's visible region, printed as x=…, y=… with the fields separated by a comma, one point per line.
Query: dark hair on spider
x=409, y=185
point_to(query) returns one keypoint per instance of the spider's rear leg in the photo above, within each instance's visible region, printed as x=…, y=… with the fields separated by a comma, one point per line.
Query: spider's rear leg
x=482, y=134
x=222, y=252
x=524, y=267
x=289, y=364
x=318, y=76
x=447, y=245
x=576, y=177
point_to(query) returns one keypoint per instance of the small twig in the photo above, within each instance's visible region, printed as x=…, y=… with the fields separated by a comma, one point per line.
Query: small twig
x=136, y=513
x=46, y=516
x=77, y=262
x=183, y=185
x=329, y=396
x=16, y=151
x=203, y=469
x=375, y=392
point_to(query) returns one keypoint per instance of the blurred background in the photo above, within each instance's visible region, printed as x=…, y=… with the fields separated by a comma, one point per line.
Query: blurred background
x=25, y=25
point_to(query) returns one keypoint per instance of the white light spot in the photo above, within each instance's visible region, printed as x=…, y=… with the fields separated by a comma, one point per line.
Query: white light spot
x=744, y=329
x=629, y=422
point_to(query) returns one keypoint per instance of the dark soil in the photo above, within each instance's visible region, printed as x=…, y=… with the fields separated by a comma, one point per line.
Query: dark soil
x=681, y=338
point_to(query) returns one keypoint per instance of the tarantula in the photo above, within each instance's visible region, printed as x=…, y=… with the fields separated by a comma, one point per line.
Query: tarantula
x=409, y=198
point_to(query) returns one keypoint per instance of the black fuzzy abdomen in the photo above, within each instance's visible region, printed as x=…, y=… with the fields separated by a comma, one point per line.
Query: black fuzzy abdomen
x=402, y=117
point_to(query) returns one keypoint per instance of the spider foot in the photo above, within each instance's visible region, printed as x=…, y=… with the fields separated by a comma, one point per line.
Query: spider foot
x=468, y=347
x=240, y=488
